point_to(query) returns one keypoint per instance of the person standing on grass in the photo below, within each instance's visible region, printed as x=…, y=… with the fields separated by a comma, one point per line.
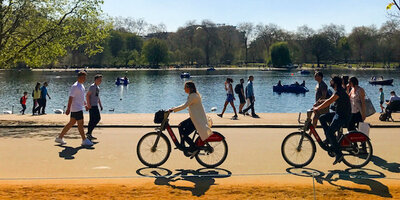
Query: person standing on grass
x=93, y=103
x=22, y=101
x=36, y=97
x=229, y=98
x=251, y=97
x=240, y=91
x=43, y=95
x=76, y=102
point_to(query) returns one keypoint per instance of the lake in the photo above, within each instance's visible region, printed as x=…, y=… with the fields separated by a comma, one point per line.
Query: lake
x=151, y=90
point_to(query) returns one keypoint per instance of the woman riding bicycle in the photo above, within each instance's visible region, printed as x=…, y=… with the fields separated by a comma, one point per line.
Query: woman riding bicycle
x=337, y=119
x=198, y=119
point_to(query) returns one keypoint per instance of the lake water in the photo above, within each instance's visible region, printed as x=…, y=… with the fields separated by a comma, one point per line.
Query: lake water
x=151, y=90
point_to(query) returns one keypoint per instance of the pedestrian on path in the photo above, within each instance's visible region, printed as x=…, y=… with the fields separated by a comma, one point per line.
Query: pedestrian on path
x=43, y=98
x=22, y=101
x=36, y=96
x=239, y=89
x=76, y=102
x=251, y=97
x=93, y=103
x=229, y=98
x=381, y=98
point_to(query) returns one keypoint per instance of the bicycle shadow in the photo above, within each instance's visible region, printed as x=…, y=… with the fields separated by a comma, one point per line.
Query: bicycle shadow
x=382, y=163
x=68, y=153
x=358, y=176
x=202, y=178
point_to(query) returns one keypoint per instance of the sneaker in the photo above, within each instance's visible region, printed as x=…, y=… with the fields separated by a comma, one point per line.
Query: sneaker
x=219, y=115
x=255, y=116
x=338, y=160
x=240, y=112
x=90, y=137
x=60, y=140
x=235, y=117
x=87, y=142
x=247, y=114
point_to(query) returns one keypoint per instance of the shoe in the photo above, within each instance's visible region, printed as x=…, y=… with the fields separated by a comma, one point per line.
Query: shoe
x=247, y=114
x=60, y=140
x=90, y=137
x=219, y=115
x=240, y=112
x=255, y=116
x=338, y=160
x=235, y=117
x=87, y=142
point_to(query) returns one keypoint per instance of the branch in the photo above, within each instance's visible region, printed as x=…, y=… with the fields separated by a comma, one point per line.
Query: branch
x=44, y=33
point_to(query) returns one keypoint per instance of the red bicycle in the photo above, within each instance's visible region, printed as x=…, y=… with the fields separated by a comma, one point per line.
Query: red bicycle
x=298, y=148
x=154, y=148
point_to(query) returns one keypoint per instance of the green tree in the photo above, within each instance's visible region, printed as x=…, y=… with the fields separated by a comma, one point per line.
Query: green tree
x=38, y=32
x=155, y=51
x=344, y=49
x=280, y=55
x=321, y=47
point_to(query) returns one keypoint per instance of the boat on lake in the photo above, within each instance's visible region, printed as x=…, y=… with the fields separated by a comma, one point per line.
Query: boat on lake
x=293, y=88
x=304, y=72
x=210, y=69
x=381, y=81
x=185, y=75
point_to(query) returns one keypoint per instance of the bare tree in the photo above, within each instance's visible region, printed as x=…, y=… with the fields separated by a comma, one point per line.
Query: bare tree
x=246, y=28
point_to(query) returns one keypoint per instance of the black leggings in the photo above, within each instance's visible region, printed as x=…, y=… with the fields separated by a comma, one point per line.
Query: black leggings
x=185, y=129
x=354, y=120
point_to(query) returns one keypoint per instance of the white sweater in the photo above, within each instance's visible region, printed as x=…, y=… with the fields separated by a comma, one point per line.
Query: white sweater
x=197, y=115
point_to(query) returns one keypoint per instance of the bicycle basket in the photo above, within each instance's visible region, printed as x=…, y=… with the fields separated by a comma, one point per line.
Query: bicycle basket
x=159, y=116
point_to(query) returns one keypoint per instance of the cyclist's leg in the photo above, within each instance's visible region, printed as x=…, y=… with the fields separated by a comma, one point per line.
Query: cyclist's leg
x=325, y=119
x=336, y=124
x=185, y=129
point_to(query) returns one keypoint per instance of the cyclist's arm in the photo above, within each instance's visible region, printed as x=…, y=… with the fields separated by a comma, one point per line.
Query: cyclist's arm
x=327, y=102
x=183, y=106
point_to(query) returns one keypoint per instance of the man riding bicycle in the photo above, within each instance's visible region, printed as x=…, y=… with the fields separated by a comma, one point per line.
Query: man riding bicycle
x=337, y=119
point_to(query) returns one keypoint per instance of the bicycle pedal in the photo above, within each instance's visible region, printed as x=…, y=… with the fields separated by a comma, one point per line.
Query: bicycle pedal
x=194, y=154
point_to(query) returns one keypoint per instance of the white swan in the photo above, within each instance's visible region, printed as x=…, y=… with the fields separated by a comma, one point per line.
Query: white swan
x=213, y=109
x=7, y=112
x=59, y=111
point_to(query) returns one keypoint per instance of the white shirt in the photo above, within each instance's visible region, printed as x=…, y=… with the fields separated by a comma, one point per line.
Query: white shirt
x=78, y=93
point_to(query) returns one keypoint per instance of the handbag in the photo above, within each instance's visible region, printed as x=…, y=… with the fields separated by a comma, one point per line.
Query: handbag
x=369, y=107
x=364, y=128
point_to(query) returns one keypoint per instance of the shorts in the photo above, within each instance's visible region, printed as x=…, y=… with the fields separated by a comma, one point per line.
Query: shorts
x=381, y=102
x=229, y=97
x=242, y=99
x=77, y=115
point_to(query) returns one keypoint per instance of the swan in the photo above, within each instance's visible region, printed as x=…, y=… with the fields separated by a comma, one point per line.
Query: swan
x=213, y=109
x=9, y=112
x=59, y=111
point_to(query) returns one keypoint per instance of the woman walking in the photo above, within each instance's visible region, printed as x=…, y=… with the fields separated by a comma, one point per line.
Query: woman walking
x=357, y=100
x=36, y=94
x=197, y=120
x=229, y=98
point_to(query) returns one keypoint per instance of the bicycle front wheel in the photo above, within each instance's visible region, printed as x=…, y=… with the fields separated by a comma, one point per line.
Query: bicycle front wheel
x=298, y=149
x=214, y=156
x=153, y=149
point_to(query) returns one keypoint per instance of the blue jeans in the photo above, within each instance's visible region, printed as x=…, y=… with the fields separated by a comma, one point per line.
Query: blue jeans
x=336, y=122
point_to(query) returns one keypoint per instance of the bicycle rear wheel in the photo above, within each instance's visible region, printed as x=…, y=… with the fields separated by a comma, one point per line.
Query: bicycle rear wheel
x=152, y=154
x=298, y=149
x=358, y=154
x=214, y=156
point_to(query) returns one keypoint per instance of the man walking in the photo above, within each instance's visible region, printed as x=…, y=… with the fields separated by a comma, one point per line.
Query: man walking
x=76, y=102
x=93, y=101
x=250, y=96
x=43, y=100
x=321, y=95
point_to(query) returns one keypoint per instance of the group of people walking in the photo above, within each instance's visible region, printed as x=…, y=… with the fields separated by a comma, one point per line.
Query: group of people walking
x=39, y=96
x=77, y=102
x=244, y=94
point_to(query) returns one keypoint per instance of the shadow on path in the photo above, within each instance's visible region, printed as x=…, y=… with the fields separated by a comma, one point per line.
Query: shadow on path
x=202, y=178
x=358, y=176
x=68, y=153
x=391, y=167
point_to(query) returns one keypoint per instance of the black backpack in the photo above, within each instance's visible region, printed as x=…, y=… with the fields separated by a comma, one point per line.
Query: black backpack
x=384, y=116
x=237, y=89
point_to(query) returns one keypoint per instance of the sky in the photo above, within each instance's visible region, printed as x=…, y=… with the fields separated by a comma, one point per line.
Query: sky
x=287, y=14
